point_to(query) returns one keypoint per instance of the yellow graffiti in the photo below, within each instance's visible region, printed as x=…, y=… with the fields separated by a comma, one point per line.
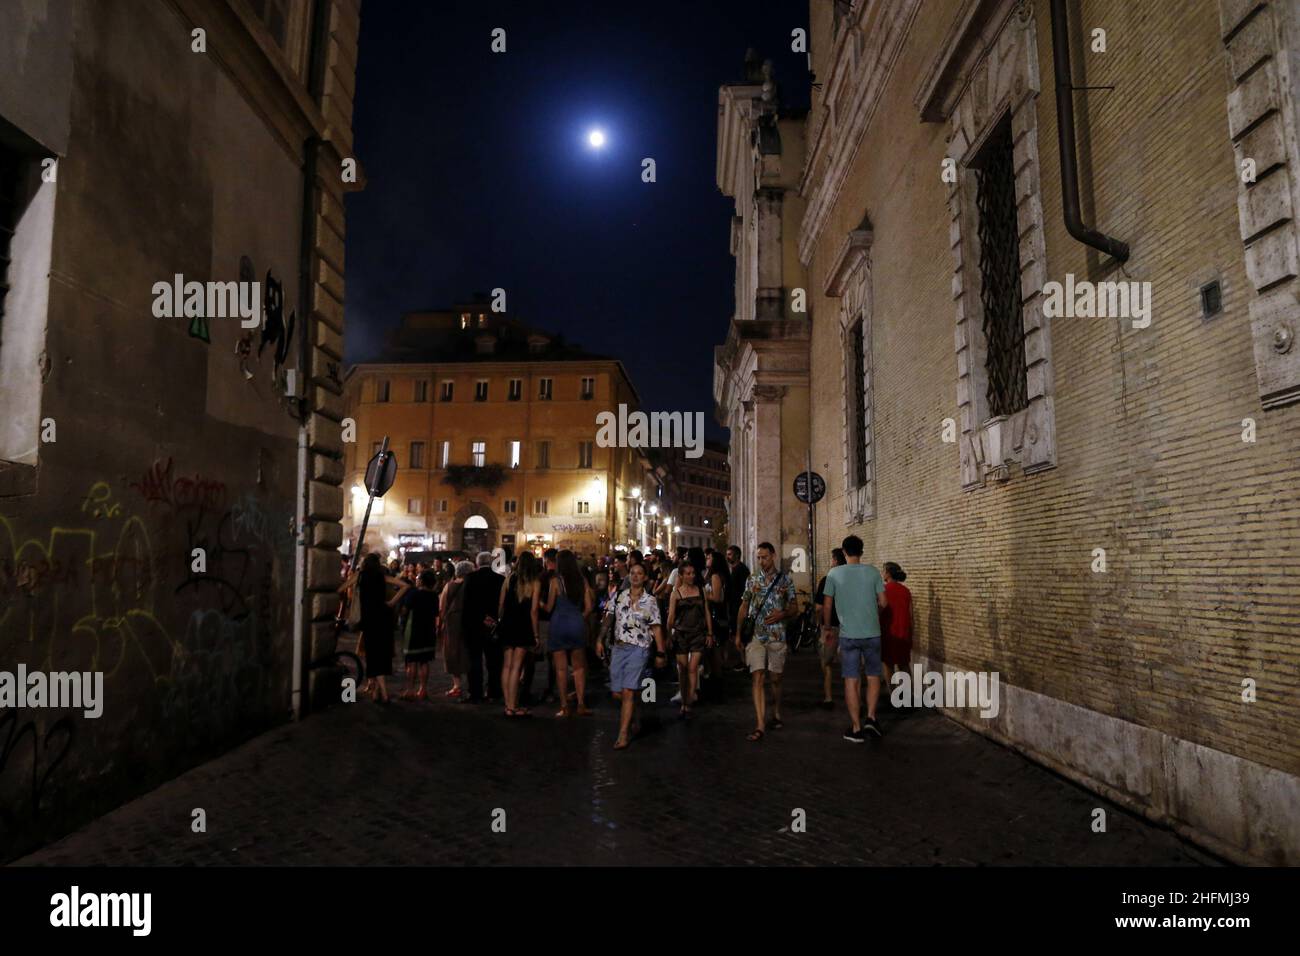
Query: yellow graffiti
x=82, y=607
x=100, y=496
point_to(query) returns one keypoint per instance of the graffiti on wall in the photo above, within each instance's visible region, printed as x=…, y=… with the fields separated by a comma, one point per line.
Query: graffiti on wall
x=186, y=657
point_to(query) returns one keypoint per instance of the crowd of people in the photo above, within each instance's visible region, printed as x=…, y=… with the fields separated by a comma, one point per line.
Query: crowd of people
x=632, y=615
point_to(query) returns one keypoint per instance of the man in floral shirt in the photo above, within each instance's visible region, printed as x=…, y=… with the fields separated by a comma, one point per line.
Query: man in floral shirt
x=769, y=598
x=635, y=625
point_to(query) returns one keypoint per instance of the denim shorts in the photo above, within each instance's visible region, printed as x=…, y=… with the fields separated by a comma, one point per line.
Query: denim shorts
x=627, y=664
x=857, y=653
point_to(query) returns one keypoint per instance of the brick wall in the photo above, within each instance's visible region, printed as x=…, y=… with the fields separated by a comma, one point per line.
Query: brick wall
x=1200, y=528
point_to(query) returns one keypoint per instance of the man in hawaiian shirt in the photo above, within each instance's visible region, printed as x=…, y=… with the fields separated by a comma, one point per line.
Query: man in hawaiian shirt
x=769, y=597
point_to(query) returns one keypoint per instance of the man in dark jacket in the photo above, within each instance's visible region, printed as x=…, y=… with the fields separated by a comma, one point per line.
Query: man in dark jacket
x=482, y=598
x=737, y=575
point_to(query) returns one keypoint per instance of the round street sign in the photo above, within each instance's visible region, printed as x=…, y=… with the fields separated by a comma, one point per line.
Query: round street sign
x=802, y=483
x=380, y=476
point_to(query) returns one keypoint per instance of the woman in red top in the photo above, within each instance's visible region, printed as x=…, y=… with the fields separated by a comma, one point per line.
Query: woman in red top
x=896, y=627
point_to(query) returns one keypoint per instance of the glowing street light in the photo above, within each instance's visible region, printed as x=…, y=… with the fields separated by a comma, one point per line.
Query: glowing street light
x=596, y=138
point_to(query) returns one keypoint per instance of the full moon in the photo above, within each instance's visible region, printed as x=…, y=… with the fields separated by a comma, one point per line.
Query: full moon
x=596, y=138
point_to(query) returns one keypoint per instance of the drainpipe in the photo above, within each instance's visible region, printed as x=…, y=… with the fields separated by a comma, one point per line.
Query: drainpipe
x=1065, y=140
x=307, y=245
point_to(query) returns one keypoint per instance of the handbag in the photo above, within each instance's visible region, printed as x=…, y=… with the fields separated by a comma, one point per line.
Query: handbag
x=747, y=626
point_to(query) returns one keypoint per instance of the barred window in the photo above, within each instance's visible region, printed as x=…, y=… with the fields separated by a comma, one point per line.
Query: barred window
x=858, y=402
x=999, y=241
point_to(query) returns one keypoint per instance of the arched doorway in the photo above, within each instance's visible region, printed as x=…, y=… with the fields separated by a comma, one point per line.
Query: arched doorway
x=474, y=535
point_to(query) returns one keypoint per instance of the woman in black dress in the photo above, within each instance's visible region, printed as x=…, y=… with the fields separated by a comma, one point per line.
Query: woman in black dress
x=377, y=619
x=422, y=629
x=515, y=627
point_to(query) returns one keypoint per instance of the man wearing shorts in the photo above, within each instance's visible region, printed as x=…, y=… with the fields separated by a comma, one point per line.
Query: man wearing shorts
x=769, y=598
x=855, y=592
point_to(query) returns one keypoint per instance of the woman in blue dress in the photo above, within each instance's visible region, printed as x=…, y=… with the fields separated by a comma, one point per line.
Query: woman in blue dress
x=569, y=602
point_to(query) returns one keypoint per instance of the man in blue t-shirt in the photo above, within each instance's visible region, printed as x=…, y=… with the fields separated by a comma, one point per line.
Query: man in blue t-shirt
x=855, y=593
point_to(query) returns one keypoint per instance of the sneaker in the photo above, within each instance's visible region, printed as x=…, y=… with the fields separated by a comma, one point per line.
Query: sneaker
x=855, y=736
x=676, y=698
x=870, y=725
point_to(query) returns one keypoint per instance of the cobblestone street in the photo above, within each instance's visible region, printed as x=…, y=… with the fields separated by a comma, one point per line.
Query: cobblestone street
x=417, y=783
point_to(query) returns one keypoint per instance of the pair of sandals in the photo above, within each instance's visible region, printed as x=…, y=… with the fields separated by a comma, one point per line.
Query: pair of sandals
x=570, y=712
x=775, y=724
x=519, y=712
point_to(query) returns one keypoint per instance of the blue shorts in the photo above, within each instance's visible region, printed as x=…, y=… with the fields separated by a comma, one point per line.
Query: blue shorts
x=857, y=653
x=627, y=664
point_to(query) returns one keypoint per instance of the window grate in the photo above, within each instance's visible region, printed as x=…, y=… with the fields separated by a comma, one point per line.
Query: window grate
x=859, y=387
x=1004, y=327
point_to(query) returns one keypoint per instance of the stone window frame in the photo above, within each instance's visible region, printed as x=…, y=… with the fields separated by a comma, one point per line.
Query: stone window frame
x=987, y=70
x=850, y=282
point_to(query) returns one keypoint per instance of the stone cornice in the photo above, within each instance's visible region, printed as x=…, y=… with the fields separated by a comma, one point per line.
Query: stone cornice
x=864, y=58
x=853, y=253
x=735, y=116
x=970, y=36
x=238, y=43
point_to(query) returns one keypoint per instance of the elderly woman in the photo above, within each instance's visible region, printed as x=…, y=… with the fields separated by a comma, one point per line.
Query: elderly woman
x=450, y=607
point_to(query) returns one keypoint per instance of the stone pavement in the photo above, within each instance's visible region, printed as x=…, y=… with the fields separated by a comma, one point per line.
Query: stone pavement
x=418, y=783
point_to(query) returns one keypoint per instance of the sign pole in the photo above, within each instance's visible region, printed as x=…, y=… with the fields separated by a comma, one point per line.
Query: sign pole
x=812, y=549
x=373, y=489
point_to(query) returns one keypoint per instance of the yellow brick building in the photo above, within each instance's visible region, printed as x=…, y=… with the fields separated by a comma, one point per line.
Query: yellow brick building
x=472, y=394
x=1105, y=512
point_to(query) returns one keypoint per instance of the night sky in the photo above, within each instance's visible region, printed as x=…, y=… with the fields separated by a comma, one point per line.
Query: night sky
x=480, y=176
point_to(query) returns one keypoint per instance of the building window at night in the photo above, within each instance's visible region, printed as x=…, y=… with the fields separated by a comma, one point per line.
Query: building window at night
x=999, y=262
x=478, y=453
x=464, y=320
x=381, y=390
x=515, y=448
x=442, y=506
x=583, y=508
x=539, y=506
x=417, y=454
x=421, y=391
x=510, y=506
x=585, y=452
x=415, y=506
x=544, y=389
x=543, y=454
x=516, y=389
x=444, y=454
x=480, y=390
x=274, y=14
x=482, y=321
x=445, y=396
x=439, y=541
x=588, y=388
x=857, y=431
x=375, y=448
